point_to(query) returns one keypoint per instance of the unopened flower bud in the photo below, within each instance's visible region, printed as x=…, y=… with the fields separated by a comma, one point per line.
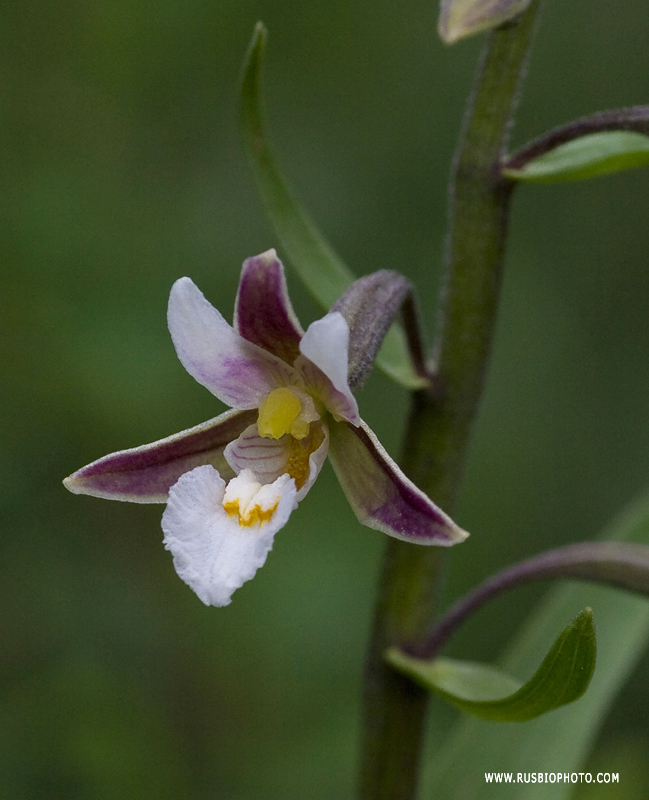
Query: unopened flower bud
x=459, y=19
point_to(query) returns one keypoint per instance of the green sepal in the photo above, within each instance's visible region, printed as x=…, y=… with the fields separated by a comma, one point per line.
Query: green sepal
x=370, y=306
x=587, y=156
x=321, y=270
x=487, y=692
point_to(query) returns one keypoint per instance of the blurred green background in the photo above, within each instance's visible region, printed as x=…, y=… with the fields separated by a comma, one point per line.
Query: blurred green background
x=122, y=170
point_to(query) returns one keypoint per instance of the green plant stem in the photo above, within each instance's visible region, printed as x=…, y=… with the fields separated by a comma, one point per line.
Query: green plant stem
x=440, y=421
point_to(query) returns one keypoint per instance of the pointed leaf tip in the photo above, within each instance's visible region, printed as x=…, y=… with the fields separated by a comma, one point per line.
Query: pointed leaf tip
x=563, y=740
x=486, y=692
x=257, y=41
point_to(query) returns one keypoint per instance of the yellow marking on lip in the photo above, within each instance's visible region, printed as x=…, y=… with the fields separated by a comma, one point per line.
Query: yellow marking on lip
x=253, y=515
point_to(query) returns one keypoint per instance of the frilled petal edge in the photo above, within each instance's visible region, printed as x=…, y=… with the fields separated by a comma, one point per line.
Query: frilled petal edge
x=263, y=313
x=235, y=370
x=219, y=536
x=381, y=496
x=145, y=474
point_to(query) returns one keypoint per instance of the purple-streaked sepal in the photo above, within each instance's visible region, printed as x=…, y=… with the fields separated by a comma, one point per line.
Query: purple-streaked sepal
x=145, y=474
x=381, y=496
x=370, y=306
x=263, y=313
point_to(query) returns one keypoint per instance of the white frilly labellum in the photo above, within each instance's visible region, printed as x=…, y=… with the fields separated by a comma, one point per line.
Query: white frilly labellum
x=220, y=536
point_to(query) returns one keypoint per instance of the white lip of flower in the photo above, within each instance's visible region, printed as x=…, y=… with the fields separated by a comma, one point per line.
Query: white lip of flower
x=231, y=483
x=219, y=536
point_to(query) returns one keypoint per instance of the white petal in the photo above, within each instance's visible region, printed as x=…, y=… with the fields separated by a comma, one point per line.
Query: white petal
x=270, y=458
x=235, y=370
x=326, y=345
x=215, y=552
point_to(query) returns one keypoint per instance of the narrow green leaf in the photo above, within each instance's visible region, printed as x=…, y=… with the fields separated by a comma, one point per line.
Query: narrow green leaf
x=322, y=271
x=487, y=692
x=586, y=157
x=557, y=742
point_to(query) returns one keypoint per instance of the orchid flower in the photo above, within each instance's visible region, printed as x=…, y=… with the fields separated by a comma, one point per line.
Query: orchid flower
x=231, y=483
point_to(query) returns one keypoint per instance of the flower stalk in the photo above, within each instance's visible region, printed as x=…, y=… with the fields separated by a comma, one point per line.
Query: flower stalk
x=634, y=119
x=440, y=420
x=624, y=565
